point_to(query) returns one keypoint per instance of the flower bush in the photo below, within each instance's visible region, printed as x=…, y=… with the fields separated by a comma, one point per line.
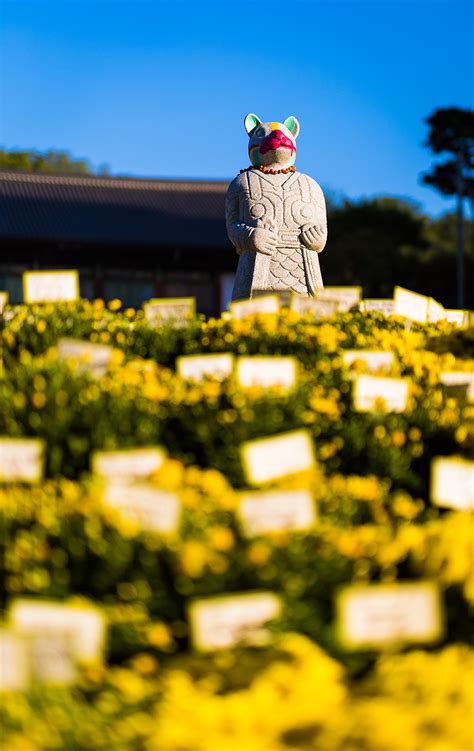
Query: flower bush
x=375, y=523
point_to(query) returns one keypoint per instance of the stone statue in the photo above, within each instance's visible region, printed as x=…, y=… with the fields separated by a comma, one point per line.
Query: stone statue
x=276, y=216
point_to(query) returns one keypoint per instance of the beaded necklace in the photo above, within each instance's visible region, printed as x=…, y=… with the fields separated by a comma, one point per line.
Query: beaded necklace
x=270, y=171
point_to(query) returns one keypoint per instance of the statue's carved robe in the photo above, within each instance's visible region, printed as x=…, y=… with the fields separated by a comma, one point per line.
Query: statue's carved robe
x=286, y=202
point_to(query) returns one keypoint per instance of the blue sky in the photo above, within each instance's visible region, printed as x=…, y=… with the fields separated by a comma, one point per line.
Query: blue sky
x=160, y=89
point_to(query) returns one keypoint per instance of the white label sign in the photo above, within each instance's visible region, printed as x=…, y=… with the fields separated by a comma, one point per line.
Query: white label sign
x=198, y=367
x=452, y=482
x=276, y=511
x=460, y=318
x=379, y=305
x=284, y=295
x=267, y=459
x=375, y=360
x=386, y=615
x=89, y=356
x=154, y=509
x=260, y=304
x=346, y=297
x=129, y=464
x=436, y=312
x=267, y=371
x=3, y=300
x=21, y=459
x=373, y=394
x=317, y=308
x=459, y=378
x=82, y=625
x=51, y=653
x=50, y=286
x=410, y=305
x=14, y=664
x=222, y=622
x=177, y=311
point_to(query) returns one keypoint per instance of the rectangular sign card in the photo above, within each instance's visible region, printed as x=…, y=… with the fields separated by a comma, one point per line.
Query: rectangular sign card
x=128, y=464
x=198, y=367
x=260, y=304
x=458, y=381
x=460, y=318
x=21, y=459
x=89, y=356
x=14, y=663
x=452, y=482
x=378, y=616
x=284, y=295
x=410, y=305
x=224, y=621
x=50, y=286
x=436, y=311
x=174, y=311
x=82, y=625
x=3, y=300
x=346, y=297
x=311, y=305
x=375, y=359
x=267, y=371
x=378, y=305
x=154, y=509
x=377, y=394
x=263, y=512
x=267, y=459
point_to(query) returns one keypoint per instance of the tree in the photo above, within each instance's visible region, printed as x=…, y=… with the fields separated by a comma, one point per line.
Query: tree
x=452, y=131
x=53, y=161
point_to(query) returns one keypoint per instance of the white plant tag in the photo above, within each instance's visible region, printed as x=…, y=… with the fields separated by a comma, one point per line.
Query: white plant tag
x=267, y=459
x=410, y=305
x=459, y=378
x=452, y=482
x=89, y=356
x=318, y=308
x=375, y=360
x=154, y=509
x=261, y=304
x=346, y=297
x=269, y=511
x=52, y=658
x=50, y=286
x=82, y=625
x=379, y=305
x=128, y=464
x=14, y=663
x=224, y=621
x=378, y=616
x=267, y=371
x=175, y=311
x=460, y=318
x=436, y=311
x=199, y=367
x=374, y=394
x=21, y=459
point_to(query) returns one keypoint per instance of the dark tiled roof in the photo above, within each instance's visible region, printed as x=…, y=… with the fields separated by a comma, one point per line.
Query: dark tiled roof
x=114, y=211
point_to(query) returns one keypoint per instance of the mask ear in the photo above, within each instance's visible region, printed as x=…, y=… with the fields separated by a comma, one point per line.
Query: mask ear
x=250, y=123
x=293, y=125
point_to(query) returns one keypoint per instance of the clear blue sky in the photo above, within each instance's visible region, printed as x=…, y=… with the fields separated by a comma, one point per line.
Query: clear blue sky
x=160, y=89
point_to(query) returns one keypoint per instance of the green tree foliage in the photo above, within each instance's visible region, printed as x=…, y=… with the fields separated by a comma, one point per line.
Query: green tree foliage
x=452, y=132
x=52, y=162
x=382, y=242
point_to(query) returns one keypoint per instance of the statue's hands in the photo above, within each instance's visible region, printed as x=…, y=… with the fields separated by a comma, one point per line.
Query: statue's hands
x=314, y=236
x=265, y=239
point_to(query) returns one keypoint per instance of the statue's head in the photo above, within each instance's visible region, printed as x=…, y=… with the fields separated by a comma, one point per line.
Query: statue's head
x=272, y=145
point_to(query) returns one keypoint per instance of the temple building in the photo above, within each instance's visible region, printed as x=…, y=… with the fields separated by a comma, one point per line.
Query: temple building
x=129, y=238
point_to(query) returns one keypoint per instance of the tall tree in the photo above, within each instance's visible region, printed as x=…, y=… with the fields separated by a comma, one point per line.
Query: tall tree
x=452, y=132
x=53, y=161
